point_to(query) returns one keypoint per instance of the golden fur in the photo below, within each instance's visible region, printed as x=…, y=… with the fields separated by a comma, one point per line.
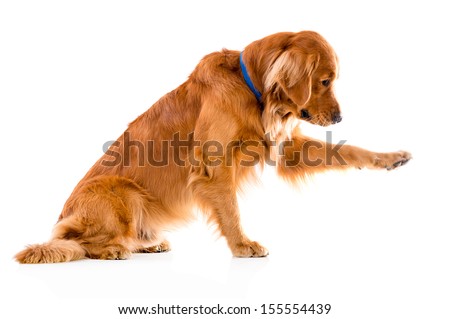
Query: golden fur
x=126, y=201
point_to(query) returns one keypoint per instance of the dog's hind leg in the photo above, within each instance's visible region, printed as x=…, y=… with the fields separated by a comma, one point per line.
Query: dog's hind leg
x=110, y=217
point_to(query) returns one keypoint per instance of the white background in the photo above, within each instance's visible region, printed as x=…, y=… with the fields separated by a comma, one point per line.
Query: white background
x=373, y=244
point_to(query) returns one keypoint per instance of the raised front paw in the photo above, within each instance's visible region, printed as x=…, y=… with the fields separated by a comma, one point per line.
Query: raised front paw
x=249, y=249
x=392, y=160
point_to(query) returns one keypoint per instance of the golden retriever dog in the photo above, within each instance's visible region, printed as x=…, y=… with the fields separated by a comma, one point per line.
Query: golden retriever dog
x=197, y=145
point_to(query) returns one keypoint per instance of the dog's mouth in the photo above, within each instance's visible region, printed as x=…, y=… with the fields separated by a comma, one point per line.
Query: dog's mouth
x=320, y=119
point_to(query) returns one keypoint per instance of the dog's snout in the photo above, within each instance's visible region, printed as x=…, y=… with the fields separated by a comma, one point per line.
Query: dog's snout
x=336, y=118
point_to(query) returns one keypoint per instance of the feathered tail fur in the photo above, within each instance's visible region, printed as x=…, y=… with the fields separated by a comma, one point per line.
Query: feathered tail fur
x=54, y=251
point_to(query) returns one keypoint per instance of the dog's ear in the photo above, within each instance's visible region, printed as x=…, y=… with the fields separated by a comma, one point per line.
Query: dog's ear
x=292, y=71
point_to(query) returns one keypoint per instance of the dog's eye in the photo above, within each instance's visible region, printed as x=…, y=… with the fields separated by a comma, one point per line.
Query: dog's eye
x=326, y=82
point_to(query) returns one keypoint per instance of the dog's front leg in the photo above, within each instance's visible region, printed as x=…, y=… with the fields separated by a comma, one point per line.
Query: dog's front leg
x=226, y=214
x=302, y=155
x=216, y=194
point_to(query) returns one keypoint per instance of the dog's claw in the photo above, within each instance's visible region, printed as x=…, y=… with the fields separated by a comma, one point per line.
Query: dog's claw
x=400, y=163
x=397, y=164
x=250, y=249
x=391, y=161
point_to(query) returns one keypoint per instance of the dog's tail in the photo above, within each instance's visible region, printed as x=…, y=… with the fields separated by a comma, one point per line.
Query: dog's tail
x=54, y=251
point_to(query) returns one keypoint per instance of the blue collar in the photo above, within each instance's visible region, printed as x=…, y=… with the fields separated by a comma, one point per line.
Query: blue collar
x=249, y=82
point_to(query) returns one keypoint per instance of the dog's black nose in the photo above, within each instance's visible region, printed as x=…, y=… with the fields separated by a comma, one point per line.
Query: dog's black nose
x=336, y=118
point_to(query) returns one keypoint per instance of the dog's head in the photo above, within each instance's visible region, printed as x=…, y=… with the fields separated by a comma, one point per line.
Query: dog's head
x=297, y=73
